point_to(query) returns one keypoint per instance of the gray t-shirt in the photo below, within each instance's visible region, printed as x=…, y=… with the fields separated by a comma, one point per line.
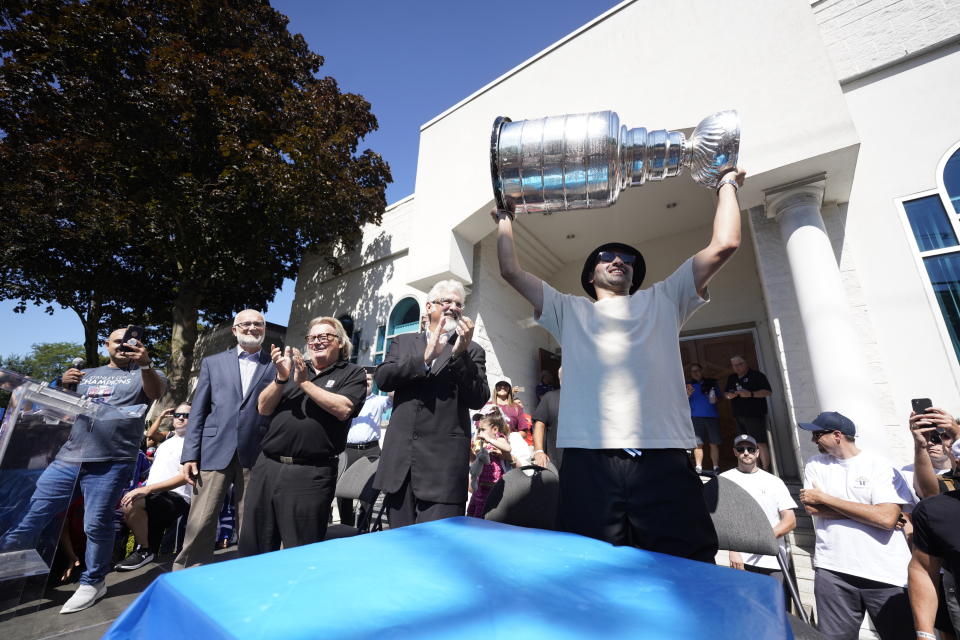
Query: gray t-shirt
x=623, y=383
x=108, y=439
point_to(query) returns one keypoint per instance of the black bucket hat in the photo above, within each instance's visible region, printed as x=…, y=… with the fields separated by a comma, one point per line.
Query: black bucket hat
x=639, y=266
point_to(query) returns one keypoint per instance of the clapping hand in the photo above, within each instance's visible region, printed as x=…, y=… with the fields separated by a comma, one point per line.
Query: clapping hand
x=465, y=332
x=282, y=360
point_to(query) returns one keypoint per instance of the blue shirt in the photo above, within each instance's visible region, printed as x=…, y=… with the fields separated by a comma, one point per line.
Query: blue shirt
x=700, y=406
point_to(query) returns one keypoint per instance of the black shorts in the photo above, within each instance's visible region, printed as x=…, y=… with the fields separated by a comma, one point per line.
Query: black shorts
x=653, y=501
x=755, y=426
x=707, y=430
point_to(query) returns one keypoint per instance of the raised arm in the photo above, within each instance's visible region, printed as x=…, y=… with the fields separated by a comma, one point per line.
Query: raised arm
x=726, y=233
x=526, y=284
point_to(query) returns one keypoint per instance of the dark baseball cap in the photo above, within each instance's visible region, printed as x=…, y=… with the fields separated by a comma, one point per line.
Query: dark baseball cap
x=639, y=266
x=831, y=421
x=743, y=437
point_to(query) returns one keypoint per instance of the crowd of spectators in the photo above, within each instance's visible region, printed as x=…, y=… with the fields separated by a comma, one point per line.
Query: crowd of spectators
x=256, y=455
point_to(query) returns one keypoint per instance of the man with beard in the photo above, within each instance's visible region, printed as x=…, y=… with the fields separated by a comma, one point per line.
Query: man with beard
x=861, y=556
x=437, y=377
x=223, y=435
x=625, y=423
x=150, y=509
x=310, y=405
x=99, y=457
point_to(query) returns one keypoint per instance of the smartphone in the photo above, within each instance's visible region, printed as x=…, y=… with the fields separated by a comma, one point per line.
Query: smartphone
x=133, y=332
x=920, y=405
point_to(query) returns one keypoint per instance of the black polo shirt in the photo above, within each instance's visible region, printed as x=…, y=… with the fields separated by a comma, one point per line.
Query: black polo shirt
x=752, y=381
x=301, y=429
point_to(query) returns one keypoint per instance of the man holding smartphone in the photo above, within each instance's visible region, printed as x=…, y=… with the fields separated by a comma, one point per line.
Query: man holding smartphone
x=100, y=460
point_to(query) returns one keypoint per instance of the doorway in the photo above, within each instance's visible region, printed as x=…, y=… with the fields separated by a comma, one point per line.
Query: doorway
x=713, y=352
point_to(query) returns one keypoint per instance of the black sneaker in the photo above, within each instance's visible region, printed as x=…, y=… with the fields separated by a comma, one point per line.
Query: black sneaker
x=136, y=559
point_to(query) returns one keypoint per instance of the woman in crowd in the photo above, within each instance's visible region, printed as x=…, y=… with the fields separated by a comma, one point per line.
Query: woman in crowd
x=510, y=407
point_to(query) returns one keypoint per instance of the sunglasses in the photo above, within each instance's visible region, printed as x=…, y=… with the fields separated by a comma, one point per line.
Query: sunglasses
x=746, y=449
x=184, y=416
x=610, y=256
x=819, y=434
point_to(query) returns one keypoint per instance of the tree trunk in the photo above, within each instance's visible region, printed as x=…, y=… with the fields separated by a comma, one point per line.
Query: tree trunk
x=182, y=341
x=91, y=342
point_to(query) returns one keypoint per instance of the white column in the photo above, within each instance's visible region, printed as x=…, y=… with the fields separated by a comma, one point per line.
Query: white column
x=840, y=374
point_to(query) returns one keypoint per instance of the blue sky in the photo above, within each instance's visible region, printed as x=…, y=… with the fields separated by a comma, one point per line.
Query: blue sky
x=411, y=60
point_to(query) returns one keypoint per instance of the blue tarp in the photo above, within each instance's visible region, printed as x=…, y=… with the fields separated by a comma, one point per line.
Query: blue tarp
x=458, y=578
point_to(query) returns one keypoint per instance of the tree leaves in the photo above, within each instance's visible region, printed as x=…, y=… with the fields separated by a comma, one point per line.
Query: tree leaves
x=162, y=154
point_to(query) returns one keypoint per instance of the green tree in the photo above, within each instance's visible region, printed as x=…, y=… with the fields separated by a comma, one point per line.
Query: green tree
x=180, y=156
x=46, y=360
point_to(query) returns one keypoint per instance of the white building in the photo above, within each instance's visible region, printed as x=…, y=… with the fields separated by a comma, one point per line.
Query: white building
x=846, y=290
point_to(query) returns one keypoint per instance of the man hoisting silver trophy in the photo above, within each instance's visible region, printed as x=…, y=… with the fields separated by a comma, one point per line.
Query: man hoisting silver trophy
x=584, y=160
x=624, y=422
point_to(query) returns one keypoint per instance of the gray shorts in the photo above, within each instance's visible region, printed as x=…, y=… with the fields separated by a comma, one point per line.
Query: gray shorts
x=707, y=430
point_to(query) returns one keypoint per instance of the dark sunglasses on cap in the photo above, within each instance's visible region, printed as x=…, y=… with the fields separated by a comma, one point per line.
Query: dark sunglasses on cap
x=181, y=415
x=610, y=256
x=746, y=449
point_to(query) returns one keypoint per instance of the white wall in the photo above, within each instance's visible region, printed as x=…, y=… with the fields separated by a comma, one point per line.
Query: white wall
x=907, y=119
x=659, y=65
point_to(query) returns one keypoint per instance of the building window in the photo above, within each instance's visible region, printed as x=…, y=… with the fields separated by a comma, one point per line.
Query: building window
x=405, y=318
x=934, y=219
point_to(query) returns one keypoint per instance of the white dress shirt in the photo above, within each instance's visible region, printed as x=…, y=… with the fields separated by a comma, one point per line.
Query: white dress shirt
x=248, y=365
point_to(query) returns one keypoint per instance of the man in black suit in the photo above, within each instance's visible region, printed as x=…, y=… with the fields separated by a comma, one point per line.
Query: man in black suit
x=437, y=376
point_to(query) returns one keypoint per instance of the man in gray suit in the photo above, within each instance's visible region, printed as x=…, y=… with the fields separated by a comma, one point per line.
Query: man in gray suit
x=224, y=432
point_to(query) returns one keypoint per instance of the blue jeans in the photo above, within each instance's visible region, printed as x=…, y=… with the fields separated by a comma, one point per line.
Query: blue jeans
x=101, y=484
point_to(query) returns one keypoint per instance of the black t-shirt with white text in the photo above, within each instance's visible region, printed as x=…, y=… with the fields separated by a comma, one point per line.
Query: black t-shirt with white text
x=300, y=428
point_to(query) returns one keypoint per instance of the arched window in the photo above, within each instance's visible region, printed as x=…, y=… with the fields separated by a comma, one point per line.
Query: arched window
x=404, y=318
x=934, y=218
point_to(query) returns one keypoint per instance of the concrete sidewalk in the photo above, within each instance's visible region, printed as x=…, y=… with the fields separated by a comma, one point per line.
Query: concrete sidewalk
x=41, y=619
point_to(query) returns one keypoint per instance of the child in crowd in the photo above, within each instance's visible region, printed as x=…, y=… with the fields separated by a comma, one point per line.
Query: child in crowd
x=487, y=456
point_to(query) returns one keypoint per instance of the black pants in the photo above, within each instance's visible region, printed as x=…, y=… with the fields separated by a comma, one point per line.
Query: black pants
x=345, y=505
x=286, y=503
x=653, y=501
x=163, y=510
x=404, y=508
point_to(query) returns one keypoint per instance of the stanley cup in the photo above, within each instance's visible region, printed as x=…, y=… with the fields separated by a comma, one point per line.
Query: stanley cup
x=584, y=161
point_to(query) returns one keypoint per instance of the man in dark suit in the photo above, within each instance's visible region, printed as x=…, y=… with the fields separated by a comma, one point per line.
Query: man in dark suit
x=224, y=432
x=437, y=376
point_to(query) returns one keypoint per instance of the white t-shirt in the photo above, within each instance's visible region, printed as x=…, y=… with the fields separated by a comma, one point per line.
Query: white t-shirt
x=849, y=546
x=166, y=464
x=773, y=497
x=623, y=384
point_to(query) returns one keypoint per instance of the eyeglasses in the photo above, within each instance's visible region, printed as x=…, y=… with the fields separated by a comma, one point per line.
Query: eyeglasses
x=610, y=256
x=182, y=416
x=746, y=449
x=448, y=302
x=320, y=337
x=251, y=325
x=819, y=434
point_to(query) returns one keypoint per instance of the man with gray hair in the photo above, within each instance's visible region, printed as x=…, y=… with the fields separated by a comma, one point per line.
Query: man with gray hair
x=223, y=435
x=437, y=376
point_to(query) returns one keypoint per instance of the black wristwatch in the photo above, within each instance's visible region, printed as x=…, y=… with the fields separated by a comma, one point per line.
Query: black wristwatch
x=281, y=382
